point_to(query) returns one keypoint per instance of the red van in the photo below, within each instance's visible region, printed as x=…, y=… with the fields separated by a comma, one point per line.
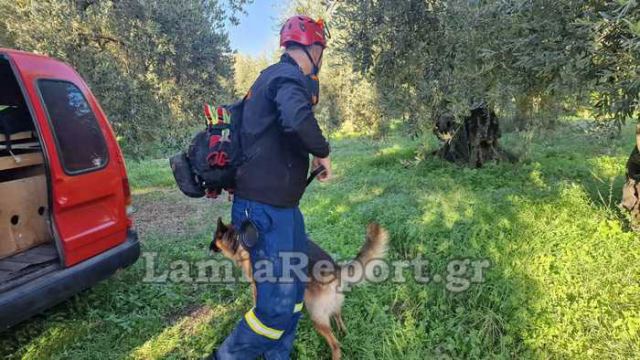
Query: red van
x=64, y=192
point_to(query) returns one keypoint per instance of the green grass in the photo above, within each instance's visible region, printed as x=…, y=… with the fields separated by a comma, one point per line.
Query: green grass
x=564, y=280
x=150, y=174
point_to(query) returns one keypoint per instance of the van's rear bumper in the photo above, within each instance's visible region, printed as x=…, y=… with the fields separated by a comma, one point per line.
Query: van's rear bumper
x=20, y=303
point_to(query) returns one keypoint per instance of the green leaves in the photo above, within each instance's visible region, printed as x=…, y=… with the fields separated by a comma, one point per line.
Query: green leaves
x=151, y=63
x=423, y=54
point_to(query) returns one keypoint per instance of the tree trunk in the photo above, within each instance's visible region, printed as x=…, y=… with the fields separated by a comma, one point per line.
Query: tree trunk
x=631, y=189
x=473, y=142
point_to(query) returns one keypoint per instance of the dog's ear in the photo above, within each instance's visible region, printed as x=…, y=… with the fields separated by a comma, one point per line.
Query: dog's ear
x=222, y=228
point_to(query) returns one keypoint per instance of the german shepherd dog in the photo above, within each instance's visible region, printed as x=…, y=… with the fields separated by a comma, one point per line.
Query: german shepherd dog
x=323, y=297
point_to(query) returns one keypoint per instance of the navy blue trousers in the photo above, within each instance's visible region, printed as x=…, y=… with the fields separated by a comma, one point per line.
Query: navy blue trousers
x=269, y=329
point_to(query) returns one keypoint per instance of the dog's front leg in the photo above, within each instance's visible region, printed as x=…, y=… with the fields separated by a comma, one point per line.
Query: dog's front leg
x=245, y=264
x=254, y=290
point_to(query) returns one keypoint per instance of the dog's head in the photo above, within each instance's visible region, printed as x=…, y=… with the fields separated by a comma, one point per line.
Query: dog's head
x=225, y=240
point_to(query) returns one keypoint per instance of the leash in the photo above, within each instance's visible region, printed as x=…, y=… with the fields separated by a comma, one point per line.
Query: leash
x=314, y=174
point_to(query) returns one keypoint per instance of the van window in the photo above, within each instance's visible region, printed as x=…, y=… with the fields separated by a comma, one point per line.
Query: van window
x=79, y=139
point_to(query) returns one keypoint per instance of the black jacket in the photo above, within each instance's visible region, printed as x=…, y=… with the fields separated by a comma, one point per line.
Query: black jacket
x=278, y=133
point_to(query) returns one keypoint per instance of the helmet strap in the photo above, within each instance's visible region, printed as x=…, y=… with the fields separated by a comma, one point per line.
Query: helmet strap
x=316, y=69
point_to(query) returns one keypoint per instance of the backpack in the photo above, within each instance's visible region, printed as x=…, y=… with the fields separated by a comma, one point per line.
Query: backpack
x=210, y=163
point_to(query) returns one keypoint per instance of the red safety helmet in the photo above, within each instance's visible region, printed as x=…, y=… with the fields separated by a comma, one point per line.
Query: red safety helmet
x=303, y=30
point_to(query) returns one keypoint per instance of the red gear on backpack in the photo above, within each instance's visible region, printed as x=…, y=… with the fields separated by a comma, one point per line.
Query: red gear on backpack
x=303, y=30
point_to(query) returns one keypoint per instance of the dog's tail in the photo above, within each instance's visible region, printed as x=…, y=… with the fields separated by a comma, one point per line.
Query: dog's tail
x=375, y=247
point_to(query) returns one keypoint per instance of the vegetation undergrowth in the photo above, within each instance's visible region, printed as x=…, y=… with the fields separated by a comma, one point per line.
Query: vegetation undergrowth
x=562, y=281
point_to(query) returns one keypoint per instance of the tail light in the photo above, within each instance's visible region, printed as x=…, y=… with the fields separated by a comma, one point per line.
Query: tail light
x=127, y=201
x=127, y=190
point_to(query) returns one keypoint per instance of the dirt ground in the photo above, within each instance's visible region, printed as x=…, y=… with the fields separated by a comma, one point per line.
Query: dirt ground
x=167, y=211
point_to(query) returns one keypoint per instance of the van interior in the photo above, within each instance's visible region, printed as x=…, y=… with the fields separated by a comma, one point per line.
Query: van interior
x=27, y=248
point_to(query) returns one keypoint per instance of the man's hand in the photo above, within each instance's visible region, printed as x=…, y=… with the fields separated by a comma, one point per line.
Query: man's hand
x=326, y=162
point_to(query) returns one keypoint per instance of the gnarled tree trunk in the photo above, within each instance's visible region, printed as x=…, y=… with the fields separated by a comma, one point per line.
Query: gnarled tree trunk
x=631, y=189
x=472, y=142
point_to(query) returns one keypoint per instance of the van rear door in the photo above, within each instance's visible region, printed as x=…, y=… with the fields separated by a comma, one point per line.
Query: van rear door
x=87, y=179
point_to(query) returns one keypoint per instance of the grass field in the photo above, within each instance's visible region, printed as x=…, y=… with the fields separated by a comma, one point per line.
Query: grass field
x=564, y=280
